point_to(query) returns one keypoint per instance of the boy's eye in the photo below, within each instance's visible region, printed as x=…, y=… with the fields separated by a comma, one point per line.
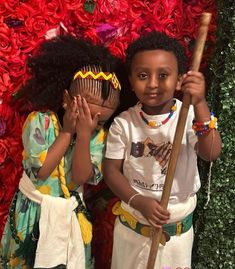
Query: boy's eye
x=142, y=76
x=163, y=75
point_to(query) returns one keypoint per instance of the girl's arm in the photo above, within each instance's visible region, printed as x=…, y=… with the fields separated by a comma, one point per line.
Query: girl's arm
x=54, y=155
x=57, y=150
x=82, y=169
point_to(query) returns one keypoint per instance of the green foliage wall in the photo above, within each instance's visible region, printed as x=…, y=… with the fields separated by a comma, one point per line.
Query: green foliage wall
x=214, y=245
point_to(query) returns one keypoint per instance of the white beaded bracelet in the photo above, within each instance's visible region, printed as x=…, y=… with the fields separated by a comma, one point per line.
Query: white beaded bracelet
x=132, y=197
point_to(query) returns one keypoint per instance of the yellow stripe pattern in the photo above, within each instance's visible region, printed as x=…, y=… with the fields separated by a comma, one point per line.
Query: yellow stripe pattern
x=100, y=76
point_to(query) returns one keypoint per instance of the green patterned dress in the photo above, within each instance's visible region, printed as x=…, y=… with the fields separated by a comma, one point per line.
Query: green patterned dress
x=38, y=135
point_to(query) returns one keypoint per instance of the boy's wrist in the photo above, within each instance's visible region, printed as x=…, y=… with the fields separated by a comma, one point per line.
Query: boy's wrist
x=136, y=201
x=201, y=111
x=131, y=199
x=201, y=104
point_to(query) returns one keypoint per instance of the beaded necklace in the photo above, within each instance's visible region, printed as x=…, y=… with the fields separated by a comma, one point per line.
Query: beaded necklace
x=153, y=123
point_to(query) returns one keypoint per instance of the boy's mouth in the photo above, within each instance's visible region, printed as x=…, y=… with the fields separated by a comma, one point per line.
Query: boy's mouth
x=152, y=94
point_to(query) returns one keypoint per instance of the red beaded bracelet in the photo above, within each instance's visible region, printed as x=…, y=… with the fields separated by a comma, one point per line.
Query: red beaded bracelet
x=203, y=128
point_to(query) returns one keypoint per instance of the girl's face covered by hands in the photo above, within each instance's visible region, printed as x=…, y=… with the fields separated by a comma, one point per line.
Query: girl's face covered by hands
x=96, y=99
x=104, y=114
x=91, y=115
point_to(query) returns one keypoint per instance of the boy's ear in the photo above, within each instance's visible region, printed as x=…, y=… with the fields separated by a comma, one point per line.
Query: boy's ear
x=179, y=82
x=66, y=99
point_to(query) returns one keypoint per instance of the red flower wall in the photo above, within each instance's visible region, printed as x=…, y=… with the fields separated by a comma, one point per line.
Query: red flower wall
x=25, y=24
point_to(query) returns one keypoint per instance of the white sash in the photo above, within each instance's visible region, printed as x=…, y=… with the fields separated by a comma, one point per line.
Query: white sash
x=60, y=240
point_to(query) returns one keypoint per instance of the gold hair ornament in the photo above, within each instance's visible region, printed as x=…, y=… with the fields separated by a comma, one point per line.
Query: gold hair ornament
x=100, y=76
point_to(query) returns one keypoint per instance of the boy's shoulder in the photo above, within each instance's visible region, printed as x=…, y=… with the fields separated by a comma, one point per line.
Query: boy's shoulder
x=127, y=114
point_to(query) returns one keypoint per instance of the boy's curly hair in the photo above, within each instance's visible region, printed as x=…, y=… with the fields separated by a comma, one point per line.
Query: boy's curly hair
x=53, y=67
x=153, y=41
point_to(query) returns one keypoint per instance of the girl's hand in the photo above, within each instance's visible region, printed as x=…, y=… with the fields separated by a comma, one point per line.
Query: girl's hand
x=151, y=210
x=70, y=117
x=85, y=123
x=194, y=84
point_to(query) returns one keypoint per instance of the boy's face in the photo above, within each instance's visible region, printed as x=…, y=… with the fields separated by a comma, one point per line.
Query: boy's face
x=154, y=78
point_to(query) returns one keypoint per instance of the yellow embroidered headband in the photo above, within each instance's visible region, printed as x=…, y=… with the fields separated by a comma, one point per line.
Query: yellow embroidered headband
x=100, y=76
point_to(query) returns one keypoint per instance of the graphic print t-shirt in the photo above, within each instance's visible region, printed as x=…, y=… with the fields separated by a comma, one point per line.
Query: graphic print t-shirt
x=146, y=152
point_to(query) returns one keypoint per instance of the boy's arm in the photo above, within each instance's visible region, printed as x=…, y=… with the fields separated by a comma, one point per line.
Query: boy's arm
x=208, y=146
x=149, y=207
x=116, y=180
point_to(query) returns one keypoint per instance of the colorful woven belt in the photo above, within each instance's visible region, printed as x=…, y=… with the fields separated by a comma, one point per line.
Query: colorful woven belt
x=171, y=229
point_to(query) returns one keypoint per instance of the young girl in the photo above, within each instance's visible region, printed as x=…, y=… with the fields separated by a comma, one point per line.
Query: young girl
x=63, y=149
x=138, y=149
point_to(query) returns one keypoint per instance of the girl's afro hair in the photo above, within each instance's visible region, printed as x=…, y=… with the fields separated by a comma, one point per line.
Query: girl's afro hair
x=54, y=65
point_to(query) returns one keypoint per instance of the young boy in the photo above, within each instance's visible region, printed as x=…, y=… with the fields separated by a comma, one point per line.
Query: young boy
x=138, y=150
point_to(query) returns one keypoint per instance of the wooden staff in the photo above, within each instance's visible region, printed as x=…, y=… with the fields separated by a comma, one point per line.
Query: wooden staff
x=197, y=55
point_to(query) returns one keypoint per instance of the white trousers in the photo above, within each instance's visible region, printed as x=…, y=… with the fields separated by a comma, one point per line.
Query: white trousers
x=131, y=250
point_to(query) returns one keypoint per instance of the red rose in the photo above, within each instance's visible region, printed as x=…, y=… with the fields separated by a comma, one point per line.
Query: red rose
x=91, y=35
x=12, y=4
x=113, y=7
x=4, y=82
x=73, y=4
x=3, y=151
x=54, y=11
x=118, y=46
x=8, y=45
x=37, y=24
x=13, y=125
x=3, y=10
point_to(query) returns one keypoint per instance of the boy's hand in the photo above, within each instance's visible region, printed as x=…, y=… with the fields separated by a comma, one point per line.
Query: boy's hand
x=194, y=84
x=152, y=211
x=85, y=123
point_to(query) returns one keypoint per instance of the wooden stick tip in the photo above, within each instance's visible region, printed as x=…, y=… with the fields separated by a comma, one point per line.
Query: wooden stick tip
x=205, y=18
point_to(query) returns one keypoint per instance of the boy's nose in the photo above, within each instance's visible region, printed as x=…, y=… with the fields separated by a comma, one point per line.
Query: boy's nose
x=153, y=82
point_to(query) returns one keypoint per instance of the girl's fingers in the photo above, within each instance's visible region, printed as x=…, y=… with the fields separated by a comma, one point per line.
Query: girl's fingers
x=74, y=105
x=67, y=98
x=80, y=106
x=85, y=107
